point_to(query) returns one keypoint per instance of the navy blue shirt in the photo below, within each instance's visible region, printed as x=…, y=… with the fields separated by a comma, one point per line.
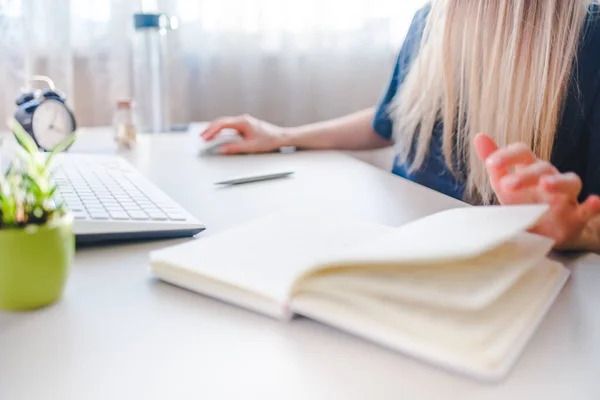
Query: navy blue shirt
x=577, y=141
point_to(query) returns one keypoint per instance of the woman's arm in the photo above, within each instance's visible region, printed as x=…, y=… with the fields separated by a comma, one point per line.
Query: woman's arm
x=352, y=132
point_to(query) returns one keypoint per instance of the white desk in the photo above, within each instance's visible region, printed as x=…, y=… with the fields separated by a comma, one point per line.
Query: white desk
x=118, y=334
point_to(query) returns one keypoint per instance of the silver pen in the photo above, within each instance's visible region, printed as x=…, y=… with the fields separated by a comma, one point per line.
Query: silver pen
x=255, y=178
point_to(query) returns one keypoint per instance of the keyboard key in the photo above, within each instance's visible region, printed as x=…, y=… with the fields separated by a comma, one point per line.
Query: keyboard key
x=79, y=214
x=99, y=215
x=96, y=210
x=119, y=215
x=176, y=217
x=138, y=215
x=158, y=217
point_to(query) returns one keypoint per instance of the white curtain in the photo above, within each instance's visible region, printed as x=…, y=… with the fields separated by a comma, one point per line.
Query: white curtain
x=287, y=61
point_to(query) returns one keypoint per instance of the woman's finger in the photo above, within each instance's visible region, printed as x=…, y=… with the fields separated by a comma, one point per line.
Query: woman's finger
x=208, y=132
x=569, y=184
x=589, y=208
x=485, y=147
x=528, y=176
x=229, y=149
x=511, y=156
x=238, y=123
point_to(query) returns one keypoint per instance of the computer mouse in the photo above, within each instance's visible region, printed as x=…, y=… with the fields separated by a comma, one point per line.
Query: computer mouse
x=211, y=147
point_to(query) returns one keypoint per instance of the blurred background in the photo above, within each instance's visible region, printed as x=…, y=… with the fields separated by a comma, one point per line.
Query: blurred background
x=287, y=61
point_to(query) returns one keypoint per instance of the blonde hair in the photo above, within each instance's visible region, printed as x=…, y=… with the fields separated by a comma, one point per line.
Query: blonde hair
x=494, y=66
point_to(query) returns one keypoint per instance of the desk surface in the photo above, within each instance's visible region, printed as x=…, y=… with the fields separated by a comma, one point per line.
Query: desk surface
x=119, y=334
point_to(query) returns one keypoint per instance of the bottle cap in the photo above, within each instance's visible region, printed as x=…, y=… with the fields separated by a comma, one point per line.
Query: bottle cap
x=157, y=21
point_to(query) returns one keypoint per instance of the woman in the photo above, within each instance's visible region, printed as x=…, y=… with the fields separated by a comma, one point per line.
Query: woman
x=526, y=72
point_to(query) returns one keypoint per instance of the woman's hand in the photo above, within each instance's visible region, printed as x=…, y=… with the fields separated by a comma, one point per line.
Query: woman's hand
x=259, y=136
x=517, y=176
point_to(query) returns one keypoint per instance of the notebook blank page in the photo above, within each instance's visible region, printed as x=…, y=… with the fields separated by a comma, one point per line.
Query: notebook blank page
x=265, y=256
x=467, y=284
x=456, y=234
x=483, y=344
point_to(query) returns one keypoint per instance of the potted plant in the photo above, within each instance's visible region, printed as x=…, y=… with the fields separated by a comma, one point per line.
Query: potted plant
x=36, y=239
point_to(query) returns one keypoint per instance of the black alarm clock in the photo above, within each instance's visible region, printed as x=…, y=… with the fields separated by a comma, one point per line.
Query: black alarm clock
x=44, y=114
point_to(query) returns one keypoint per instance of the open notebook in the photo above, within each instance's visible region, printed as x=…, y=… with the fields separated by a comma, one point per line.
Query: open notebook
x=463, y=289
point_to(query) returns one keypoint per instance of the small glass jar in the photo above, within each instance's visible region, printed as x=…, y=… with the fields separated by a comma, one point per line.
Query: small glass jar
x=124, y=124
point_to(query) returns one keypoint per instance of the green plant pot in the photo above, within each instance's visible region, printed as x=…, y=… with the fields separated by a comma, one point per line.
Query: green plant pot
x=35, y=264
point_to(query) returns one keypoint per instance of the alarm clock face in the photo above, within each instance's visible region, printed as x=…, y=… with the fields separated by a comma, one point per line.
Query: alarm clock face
x=51, y=123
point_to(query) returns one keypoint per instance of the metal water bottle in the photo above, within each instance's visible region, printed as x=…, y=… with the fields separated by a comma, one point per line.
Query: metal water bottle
x=151, y=71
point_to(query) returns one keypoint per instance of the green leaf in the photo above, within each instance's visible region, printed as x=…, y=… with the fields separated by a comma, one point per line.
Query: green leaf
x=62, y=146
x=4, y=187
x=21, y=155
x=22, y=136
x=65, y=144
x=27, y=190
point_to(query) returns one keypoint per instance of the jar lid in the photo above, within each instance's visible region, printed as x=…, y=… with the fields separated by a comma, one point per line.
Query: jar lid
x=125, y=103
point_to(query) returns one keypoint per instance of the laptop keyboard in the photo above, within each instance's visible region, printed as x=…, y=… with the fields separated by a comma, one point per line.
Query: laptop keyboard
x=107, y=188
